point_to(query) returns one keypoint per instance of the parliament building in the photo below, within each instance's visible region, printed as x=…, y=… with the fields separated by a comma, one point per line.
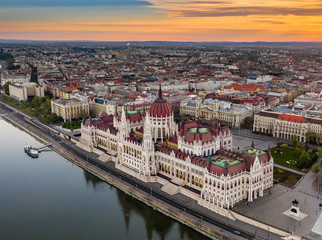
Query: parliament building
x=194, y=158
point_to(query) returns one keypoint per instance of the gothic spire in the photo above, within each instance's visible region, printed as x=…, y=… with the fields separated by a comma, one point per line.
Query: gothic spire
x=160, y=91
x=123, y=118
x=147, y=136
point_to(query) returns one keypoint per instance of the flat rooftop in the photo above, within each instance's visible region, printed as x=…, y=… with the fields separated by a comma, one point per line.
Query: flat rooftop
x=224, y=162
x=255, y=152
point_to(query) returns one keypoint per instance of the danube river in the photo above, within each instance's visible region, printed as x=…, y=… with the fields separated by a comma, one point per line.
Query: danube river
x=51, y=198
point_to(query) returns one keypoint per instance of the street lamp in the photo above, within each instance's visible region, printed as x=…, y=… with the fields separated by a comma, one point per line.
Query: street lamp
x=268, y=232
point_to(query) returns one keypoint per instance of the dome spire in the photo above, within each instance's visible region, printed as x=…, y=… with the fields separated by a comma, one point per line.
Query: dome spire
x=160, y=91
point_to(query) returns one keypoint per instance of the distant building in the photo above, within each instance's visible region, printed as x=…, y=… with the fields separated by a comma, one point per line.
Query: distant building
x=259, y=79
x=233, y=114
x=21, y=92
x=69, y=108
x=14, y=78
x=245, y=87
x=284, y=125
x=309, y=98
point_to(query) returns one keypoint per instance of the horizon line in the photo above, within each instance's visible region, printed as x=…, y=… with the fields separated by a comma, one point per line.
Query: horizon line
x=226, y=41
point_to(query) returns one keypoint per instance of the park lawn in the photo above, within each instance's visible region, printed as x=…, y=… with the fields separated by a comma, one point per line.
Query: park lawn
x=286, y=177
x=288, y=158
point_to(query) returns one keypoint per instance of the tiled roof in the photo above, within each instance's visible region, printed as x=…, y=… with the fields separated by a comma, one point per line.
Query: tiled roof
x=247, y=87
x=160, y=108
x=291, y=118
x=103, y=123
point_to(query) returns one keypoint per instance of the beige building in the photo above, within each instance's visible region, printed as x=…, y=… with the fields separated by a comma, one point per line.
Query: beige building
x=21, y=92
x=224, y=111
x=309, y=98
x=98, y=105
x=14, y=78
x=282, y=125
x=69, y=108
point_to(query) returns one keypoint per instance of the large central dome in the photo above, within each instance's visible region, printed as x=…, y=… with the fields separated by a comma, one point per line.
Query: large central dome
x=160, y=107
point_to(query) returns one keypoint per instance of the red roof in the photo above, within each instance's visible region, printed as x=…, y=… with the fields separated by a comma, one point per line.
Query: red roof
x=291, y=118
x=160, y=107
x=70, y=89
x=247, y=87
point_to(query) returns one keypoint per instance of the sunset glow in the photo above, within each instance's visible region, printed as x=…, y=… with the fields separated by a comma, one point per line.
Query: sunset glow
x=170, y=20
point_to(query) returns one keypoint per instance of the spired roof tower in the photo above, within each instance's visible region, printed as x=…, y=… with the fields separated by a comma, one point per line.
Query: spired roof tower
x=162, y=121
x=160, y=107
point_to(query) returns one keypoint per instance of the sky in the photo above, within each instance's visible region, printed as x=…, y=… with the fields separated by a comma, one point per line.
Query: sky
x=162, y=20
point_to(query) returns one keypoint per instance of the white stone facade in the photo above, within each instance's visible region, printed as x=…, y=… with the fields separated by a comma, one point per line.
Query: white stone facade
x=233, y=115
x=285, y=125
x=218, y=185
x=21, y=92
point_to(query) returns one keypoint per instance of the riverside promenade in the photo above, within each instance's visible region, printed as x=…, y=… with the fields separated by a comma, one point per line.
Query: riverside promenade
x=178, y=206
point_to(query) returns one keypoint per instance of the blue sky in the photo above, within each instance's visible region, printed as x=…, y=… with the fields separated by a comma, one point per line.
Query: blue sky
x=71, y=3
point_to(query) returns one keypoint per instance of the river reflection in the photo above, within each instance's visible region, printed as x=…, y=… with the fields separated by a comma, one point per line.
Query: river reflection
x=156, y=224
x=51, y=198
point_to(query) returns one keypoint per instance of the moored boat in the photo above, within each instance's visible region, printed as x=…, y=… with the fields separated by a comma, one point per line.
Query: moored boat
x=31, y=151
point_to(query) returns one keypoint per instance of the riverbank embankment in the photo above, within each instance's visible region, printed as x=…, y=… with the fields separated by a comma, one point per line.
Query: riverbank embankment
x=207, y=223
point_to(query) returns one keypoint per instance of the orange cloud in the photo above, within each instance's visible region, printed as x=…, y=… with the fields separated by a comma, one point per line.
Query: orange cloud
x=189, y=20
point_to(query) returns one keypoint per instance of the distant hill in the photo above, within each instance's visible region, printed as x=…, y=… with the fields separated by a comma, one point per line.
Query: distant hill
x=171, y=43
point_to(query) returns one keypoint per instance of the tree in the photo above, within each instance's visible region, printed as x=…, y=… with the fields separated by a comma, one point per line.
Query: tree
x=295, y=141
x=311, y=137
x=319, y=153
x=46, y=105
x=177, y=119
x=6, y=88
x=315, y=168
x=301, y=146
x=36, y=101
x=304, y=160
x=319, y=138
x=248, y=122
x=84, y=114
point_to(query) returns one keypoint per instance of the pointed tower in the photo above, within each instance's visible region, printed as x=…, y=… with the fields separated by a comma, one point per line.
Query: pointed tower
x=160, y=91
x=115, y=110
x=148, y=164
x=122, y=134
x=123, y=126
x=147, y=135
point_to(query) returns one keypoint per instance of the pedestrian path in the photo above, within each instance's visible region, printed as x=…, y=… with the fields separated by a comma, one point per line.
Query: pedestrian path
x=289, y=169
x=318, y=226
x=170, y=188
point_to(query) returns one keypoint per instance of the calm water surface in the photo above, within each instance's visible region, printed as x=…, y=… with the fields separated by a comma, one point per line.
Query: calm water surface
x=50, y=198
